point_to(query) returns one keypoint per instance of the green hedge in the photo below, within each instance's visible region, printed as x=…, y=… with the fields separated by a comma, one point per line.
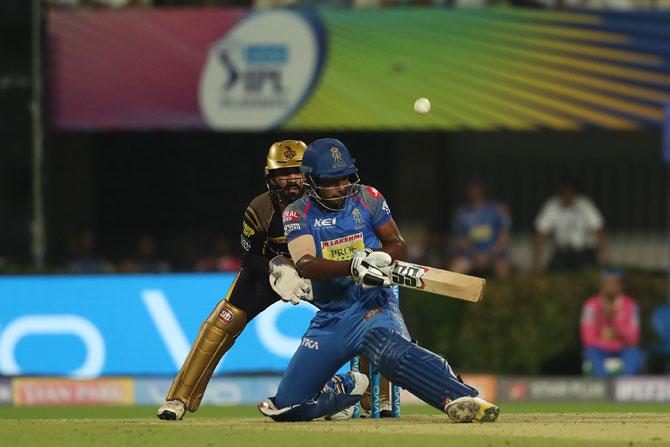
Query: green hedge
x=522, y=324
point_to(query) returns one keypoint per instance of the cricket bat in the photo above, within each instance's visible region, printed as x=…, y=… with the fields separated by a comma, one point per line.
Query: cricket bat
x=437, y=281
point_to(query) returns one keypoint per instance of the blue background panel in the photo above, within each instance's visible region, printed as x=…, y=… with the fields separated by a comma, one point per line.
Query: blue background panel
x=87, y=326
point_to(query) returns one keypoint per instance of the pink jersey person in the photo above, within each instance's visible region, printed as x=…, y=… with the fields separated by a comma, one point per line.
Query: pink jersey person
x=610, y=327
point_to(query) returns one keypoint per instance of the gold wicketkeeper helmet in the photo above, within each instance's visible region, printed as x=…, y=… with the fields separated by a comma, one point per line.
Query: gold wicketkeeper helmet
x=284, y=157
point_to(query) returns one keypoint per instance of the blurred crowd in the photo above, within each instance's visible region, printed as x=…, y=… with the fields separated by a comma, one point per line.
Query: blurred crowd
x=145, y=257
x=478, y=241
x=569, y=236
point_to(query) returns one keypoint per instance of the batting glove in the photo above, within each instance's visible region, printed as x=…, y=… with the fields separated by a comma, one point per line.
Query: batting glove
x=366, y=272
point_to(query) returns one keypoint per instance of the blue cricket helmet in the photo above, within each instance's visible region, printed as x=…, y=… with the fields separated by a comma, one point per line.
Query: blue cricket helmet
x=328, y=158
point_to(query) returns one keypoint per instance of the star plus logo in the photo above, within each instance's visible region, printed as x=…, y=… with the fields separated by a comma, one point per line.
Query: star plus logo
x=328, y=222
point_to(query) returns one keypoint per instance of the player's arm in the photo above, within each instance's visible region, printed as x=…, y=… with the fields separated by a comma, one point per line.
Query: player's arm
x=302, y=247
x=392, y=241
x=252, y=240
x=385, y=227
x=303, y=253
x=362, y=267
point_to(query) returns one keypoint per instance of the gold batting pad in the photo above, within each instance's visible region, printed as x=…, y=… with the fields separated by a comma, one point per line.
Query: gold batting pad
x=216, y=336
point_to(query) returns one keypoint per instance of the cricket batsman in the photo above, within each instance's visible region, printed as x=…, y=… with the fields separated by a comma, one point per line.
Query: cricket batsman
x=342, y=237
x=262, y=239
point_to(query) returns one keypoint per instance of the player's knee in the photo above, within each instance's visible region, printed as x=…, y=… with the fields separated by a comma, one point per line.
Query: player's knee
x=228, y=318
x=374, y=343
x=384, y=348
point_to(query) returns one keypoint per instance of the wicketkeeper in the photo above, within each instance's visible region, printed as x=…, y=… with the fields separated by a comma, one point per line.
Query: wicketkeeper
x=262, y=239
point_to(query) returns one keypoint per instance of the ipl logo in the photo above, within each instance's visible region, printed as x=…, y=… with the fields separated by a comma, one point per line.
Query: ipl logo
x=256, y=77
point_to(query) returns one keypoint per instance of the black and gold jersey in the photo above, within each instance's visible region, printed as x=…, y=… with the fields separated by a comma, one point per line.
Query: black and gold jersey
x=262, y=229
x=262, y=239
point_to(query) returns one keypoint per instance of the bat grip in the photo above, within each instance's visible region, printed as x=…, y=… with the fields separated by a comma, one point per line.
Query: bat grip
x=372, y=280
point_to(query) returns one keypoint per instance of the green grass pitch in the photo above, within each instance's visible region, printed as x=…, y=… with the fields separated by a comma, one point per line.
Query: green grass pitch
x=536, y=425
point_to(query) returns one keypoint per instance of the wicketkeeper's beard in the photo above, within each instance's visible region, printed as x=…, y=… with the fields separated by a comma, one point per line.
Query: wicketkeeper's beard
x=293, y=191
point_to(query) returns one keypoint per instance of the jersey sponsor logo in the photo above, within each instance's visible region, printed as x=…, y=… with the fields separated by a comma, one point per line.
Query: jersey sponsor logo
x=310, y=344
x=374, y=193
x=226, y=316
x=247, y=230
x=290, y=216
x=327, y=222
x=291, y=227
x=244, y=242
x=481, y=233
x=343, y=248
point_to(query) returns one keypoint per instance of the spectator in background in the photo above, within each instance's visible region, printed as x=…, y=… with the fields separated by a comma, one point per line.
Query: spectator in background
x=86, y=259
x=481, y=235
x=222, y=259
x=610, y=327
x=147, y=259
x=577, y=228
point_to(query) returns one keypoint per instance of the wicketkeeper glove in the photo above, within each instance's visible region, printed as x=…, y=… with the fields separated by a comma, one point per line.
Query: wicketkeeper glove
x=288, y=284
x=366, y=267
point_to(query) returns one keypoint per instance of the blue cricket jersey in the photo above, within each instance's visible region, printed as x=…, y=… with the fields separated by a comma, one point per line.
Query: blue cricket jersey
x=482, y=226
x=338, y=234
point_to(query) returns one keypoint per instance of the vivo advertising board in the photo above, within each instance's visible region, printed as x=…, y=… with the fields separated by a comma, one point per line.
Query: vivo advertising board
x=88, y=326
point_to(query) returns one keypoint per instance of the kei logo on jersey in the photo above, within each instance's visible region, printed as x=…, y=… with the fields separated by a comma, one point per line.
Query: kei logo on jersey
x=327, y=222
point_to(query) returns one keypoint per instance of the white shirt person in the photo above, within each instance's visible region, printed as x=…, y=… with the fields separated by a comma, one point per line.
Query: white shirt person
x=577, y=229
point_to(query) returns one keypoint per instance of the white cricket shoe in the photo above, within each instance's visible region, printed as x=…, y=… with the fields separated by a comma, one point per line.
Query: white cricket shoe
x=468, y=409
x=352, y=383
x=361, y=383
x=172, y=410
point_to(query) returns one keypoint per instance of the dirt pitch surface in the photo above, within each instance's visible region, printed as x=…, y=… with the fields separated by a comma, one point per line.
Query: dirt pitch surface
x=554, y=425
